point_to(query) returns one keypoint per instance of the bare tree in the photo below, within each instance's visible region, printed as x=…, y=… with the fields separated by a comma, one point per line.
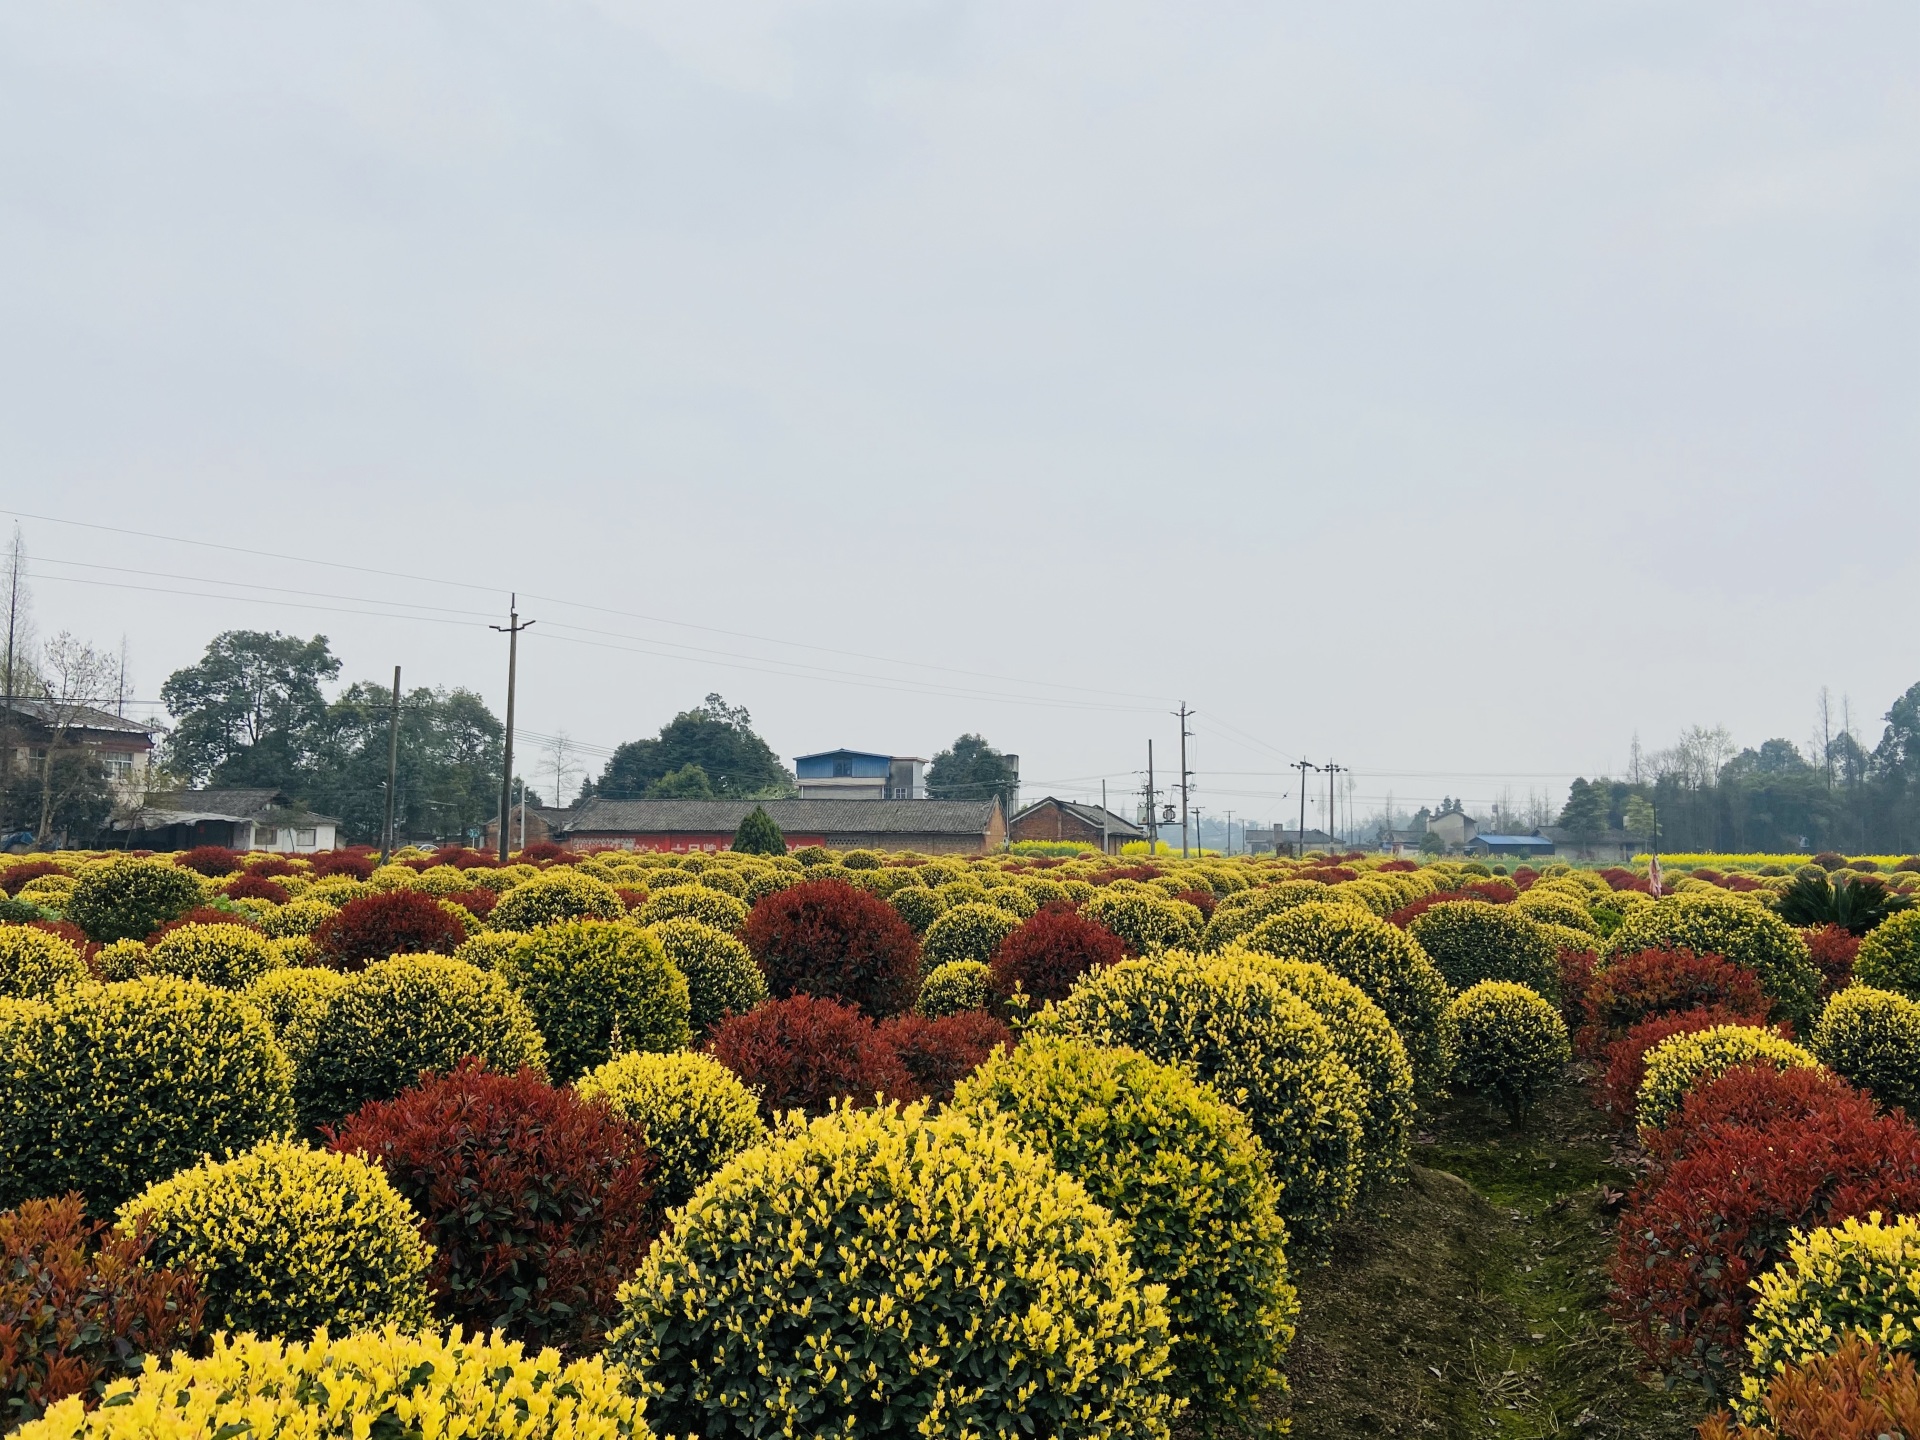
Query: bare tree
x=76, y=674
x=560, y=761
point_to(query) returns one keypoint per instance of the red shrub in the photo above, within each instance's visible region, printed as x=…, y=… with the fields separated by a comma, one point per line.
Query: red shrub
x=1393, y=865
x=203, y=915
x=1834, y=947
x=395, y=922
x=1741, y=882
x=536, y=1202
x=544, y=850
x=81, y=1304
x=1046, y=953
x=477, y=902
x=463, y=858
x=1497, y=892
x=1201, y=900
x=802, y=1053
x=15, y=877
x=343, y=862
x=1141, y=873
x=208, y=860
x=69, y=932
x=1524, y=876
x=1325, y=874
x=1414, y=909
x=825, y=938
x=1859, y=1392
x=1621, y=879
x=1619, y=1085
x=1576, y=974
x=939, y=1054
x=266, y=865
x=257, y=887
x=1755, y=1097
x=1828, y=860
x=631, y=898
x=1664, y=982
x=1697, y=1233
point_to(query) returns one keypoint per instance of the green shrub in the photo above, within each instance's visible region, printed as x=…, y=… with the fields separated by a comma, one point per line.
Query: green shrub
x=124, y=898
x=882, y=1272
x=1506, y=1041
x=1367, y=1041
x=35, y=964
x=1889, y=957
x=487, y=949
x=295, y=1002
x=553, y=896
x=693, y=902
x=918, y=906
x=400, y=1017
x=1472, y=941
x=953, y=988
x=1381, y=959
x=695, y=1111
x=1678, y=1063
x=296, y=917
x=1260, y=1046
x=1858, y=1277
x=763, y=883
x=284, y=1239
x=1873, y=1038
x=1244, y=909
x=121, y=960
x=1186, y=1173
x=111, y=1087
x=965, y=932
x=1146, y=922
x=1556, y=907
x=230, y=956
x=590, y=981
x=1713, y=922
x=758, y=835
x=722, y=978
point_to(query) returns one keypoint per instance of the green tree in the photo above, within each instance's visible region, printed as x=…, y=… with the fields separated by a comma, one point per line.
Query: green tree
x=1585, y=813
x=689, y=782
x=250, y=710
x=716, y=737
x=971, y=769
x=449, y=763
x=1637, y=816
x=71, y=789
x=758, y=835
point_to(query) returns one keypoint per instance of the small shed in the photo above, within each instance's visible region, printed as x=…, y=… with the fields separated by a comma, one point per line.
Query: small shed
x=1055, y=819
x=1523, y=846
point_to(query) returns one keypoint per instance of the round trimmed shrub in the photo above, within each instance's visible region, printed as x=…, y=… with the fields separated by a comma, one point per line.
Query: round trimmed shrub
x=1506, y=1040
x=1555, y=907
x=1241, y=911
x=1889, y=955
x=694, y=1111
x=562, y=893
x=1186, y=1173
x=918, y=906
x=1873, y=1038
x=533, y=1202
x=1472, y=941
x=111, y=1087
x=803, y=1053
x=122, y=960
x=284, y=1239
x=296, y=1000
x=1259, y=1045
x=965, y=932
x=230, y=956
x=1860, y=1277
x=415, y=1384
x=722, y=979
x=939, y=1054
x=825, y=938
x=401, y=1017
x=1714, y=922
x=385, y=924
x=694, y=902
x=953, y=988
x=1661, y=982
x=296, y=917
x=1381, y=959
x=126, y=898
x=488, y=949
x=1366, y=1040
x=883, y=1272
x=1145, y=922
x=1679, y=1063
x=1043, y=957
x=592, y=982
x=34, y=965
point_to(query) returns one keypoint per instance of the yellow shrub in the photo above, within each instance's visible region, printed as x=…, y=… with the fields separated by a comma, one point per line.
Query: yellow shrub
x=34, y=964
x=696, y=1112
x=1680, y=1062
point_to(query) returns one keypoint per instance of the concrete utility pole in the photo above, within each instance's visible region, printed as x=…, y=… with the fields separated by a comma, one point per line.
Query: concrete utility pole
x=1104, y=843
x=1332, y=770
x=1153, y=818
x=1186, y=776
x=511, y=630
x=1300, y=835
x=393, y=769
x=1229, y=833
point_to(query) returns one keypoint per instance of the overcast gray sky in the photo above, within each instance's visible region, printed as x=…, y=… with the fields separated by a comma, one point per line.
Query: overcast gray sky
x=1453, y=389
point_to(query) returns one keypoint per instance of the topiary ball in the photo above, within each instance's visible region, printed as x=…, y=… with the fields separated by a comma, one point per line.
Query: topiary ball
x=296, y=1000
x=918, y=906
x=1257, y=1044
x=696, y=1113
x=111, y=1087
x=1472, y=941
x=803, y=1053
x=694, y=902
x=965, y=932
x=121, y=960
x=402, y=1017
x=1507, y=1041
x=414, y=1384
x=954, y=988
x=1186, y=1173
x=1045, y=956
x=126, y=898
x=297, y=917
x=34, y=965
x=1714, y=922
x=1145, y=922
x=284, y=1239
x=1873, y=1038
x=1889, y=955
x=885, y=1272
x=827, y=939
x=388, y=923
x=722, y=979
x=551, y=896
x=589, y=982
x=1241, y=911
x=230, y=956
x=1680, y=1062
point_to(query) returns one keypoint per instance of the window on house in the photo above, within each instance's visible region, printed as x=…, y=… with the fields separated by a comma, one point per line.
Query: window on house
x=119, y=764
x=307, y=839
x=842, y=767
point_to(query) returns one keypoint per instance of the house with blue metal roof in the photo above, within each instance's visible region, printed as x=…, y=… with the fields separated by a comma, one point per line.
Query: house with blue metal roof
x=1523, y=845
x=860, y=775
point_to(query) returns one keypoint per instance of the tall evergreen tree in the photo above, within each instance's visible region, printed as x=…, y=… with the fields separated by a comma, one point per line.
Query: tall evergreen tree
x=758, y=835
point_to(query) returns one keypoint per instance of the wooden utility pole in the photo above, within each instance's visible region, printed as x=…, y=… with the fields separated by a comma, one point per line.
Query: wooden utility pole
x=1300, y=835
x=393, y=769
x=511, y=630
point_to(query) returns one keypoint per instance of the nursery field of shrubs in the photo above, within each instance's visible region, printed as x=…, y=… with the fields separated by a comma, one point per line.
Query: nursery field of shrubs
x=870, y=1145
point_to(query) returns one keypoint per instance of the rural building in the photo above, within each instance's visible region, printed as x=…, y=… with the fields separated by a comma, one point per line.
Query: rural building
x=528, y=825
x=123, y=746
x=933, y=827
x=1455, y=828
x=1288, y=842
x=238, y=819
x=860, y=775
x=1612, y=847
x=1052, y=819
x=1523, y=846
